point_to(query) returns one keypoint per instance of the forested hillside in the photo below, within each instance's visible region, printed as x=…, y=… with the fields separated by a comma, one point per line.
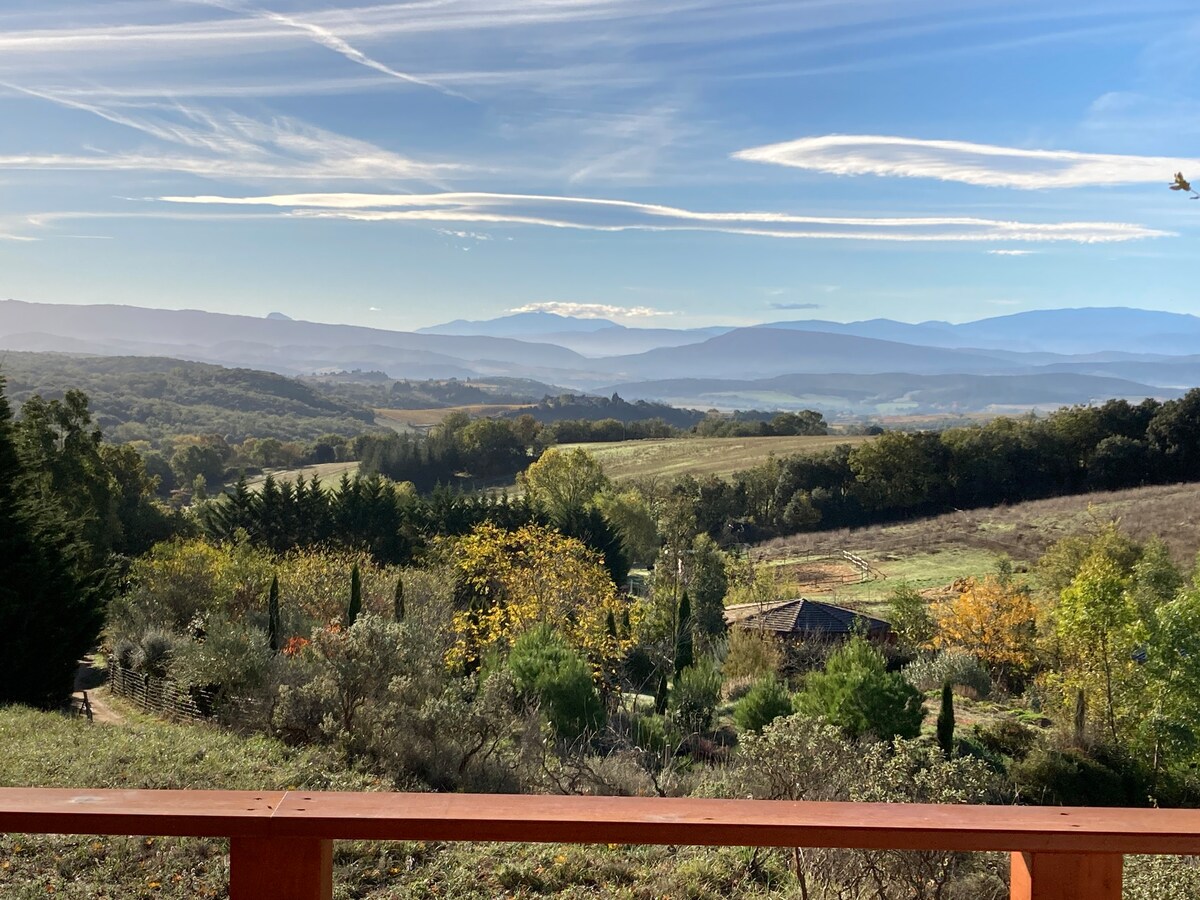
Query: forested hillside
x=136, y=398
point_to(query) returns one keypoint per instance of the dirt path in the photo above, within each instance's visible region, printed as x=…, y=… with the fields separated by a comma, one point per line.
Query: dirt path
x=89, y=683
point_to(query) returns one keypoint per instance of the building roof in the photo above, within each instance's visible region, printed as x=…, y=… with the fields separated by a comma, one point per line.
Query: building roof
x=801, y=616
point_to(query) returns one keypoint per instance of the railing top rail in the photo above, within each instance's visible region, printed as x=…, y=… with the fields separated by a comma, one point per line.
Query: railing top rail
x=625, y=820
x=179, y=813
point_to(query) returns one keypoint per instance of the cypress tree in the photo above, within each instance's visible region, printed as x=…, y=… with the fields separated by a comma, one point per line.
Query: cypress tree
x=611, y=625
x=398, y=599
x=661, y=695
x=355, y=606
x=945, y=721
x=273, y=615
x=684, y=652
x=51, y=602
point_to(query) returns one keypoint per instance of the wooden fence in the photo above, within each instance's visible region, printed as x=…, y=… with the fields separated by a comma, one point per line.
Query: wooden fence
x=170, y=700
x=281, y=843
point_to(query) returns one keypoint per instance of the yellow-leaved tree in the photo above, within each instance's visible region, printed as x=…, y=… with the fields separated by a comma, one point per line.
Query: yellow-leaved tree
x=507, y=582
x=992, y=620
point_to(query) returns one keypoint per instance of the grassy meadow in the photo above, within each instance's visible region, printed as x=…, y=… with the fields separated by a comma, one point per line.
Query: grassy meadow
x=420, y=419
x=327, y=472
x=51, y=750
x=701, y=456
x=929, y=554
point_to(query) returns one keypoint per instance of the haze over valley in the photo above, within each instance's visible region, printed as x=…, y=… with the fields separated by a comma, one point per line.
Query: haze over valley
x=1037, y=359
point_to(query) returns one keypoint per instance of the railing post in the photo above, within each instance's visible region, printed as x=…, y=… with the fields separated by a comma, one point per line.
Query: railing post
x=1066, y=876
x=280, y=868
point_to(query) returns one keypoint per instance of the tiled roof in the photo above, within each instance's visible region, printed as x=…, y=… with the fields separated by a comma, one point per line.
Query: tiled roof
x=803, y=616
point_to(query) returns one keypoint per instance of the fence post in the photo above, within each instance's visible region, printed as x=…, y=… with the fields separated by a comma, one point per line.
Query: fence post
x=280, y=868
x=1066, y=876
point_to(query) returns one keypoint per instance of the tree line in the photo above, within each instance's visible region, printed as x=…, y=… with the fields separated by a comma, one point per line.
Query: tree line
x=900, y=475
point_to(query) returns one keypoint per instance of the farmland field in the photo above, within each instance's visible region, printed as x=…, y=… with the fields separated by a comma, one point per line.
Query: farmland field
x=327, y=472
x=411, y=419
x=929, y=554
x=701, y=456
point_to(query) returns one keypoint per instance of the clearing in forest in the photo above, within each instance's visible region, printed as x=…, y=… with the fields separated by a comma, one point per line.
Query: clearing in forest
x=421, y=419
x=702, y=456
x=929, y=554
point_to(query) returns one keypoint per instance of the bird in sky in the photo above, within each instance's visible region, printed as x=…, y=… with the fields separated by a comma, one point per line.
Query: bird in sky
x=1182, y=184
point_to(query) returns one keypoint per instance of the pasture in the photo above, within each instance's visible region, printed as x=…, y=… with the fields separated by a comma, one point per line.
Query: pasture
x=701, y=456
x=329, y=473
x=422, y=419
x=929, y=554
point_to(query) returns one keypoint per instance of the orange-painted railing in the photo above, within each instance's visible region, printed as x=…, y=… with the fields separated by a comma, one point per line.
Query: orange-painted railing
x=281, y=843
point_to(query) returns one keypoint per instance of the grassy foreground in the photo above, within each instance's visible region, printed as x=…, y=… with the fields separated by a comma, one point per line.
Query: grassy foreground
x=47, y=749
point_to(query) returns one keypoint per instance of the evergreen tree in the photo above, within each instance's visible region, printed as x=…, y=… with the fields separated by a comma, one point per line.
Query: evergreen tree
x=661, y=695
x=273, y=615
x=51, y=601
x=945, y=721
x=684, y=646
x=355, y=606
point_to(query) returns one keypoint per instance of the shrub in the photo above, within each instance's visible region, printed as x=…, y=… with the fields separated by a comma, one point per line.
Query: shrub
x=858, y=694
x=1072, y=778
x=694, y=697
x=957, y=669
x=1007, y=737
x=153, y=654
x=546, y=669
x=766, y=702
x=233, y=659
x=750, y=654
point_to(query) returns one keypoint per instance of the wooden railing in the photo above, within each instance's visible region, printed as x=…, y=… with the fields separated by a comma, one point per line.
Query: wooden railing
x=281, y=843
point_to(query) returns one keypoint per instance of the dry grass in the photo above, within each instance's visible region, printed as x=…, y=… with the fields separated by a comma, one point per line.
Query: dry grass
x=929, y=554
x=701, y=456
x=1022, y=531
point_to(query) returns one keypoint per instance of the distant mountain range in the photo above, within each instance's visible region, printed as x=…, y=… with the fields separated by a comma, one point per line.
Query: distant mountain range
x=1038, y=358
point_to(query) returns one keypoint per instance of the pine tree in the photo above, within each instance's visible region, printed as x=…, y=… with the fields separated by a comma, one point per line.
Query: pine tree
x=398, y=599
x=273, y=615
x=945, y=721
x=355, y=606
x=51, y=604
x=684, y=650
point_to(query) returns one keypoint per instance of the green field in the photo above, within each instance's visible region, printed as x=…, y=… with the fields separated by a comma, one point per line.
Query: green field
x=929, y=554
x=329, y=473
x=700, y=456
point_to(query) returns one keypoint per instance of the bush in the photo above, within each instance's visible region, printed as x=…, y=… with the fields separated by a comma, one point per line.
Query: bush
x=232, y=659
x=766, y=702
x=1072, y=778
x=751, y=655
x=694, y=697
x=858, y=694
x=959, y=669
x=546, y=669
x=1007, y=737
x=153, y=654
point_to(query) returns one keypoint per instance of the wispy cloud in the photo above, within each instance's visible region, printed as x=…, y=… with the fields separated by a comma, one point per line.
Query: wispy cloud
x=226, y=145
x=1012, y=252
x=794, y=305
x=327, y=38
x=591, y=310
x=596, y=214
x=979, y=164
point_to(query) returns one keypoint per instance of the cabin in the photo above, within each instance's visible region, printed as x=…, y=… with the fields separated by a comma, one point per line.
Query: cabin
x=802, y=619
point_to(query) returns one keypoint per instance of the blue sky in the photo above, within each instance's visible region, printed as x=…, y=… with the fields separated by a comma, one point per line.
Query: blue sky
x=660, y=162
